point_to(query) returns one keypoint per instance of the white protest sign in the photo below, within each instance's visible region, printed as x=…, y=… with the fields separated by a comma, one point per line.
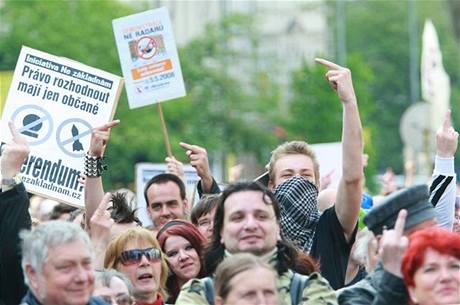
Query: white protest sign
x=329, y=157
x=145, y=171
x=55, y=102
x=148, y=57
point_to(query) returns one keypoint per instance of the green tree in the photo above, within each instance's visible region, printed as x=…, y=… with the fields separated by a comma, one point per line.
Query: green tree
x=316, y=111
x=378, y=31
x=222, y=110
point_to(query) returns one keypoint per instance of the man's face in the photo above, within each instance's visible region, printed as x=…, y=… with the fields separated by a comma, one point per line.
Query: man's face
x=165, y=203
x=249, y=224
x=206, y=224
x=68, y=275
x=289, y=166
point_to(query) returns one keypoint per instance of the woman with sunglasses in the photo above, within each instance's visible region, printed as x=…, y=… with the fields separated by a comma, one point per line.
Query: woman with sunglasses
x=137, y=254
x=182, y=244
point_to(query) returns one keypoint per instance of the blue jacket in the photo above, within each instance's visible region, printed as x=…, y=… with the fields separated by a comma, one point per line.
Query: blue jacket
x=30, y=299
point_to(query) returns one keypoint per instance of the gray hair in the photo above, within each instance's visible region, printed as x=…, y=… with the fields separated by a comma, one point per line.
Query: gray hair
x=36, y=243
x=104, y=276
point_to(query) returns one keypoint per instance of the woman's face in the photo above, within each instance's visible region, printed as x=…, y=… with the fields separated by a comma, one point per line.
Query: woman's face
x=255, y=286
x=182, y=258
x=437, y=281
x=145, y=274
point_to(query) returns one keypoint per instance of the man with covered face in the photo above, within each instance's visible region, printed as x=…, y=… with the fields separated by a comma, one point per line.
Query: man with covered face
x=294, y=178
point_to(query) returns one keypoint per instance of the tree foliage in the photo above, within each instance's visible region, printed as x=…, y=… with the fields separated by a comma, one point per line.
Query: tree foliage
x=231, y=105
x=316, y=111
x=222, y=110
x=378, y=31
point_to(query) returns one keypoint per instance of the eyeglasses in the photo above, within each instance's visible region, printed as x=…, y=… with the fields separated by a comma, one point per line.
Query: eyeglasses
x=205, y=223
x=123, y=299
x=134, y=256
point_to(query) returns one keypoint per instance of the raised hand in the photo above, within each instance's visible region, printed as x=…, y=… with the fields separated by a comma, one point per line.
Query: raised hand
x=99, y=229
x=393, y=245
x=99, y=138
x=199, y=160
x=446, y=138
x=340, y=80
x=175, y=167
x=13, y=153
x=101, y=222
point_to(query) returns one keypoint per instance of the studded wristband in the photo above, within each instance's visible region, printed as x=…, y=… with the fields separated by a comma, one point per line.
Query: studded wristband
x=94, y=166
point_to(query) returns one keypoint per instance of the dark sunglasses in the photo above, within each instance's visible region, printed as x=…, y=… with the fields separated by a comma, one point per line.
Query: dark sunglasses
x=134, y=256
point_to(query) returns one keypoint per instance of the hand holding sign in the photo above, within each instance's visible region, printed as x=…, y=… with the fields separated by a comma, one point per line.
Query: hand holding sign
x=340, y=80
x=13, y=153
x=199, y=160
x=99, y=138
x=393, y=245
x=446, y=138
x=175, y=167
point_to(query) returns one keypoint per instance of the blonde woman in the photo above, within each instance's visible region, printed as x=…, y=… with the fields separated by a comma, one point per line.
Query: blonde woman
x=137, y=254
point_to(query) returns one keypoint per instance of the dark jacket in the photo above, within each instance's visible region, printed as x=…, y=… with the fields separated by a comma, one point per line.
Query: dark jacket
x=215, y=189
x=14, y=217
x=30, y=299
x=378, y=288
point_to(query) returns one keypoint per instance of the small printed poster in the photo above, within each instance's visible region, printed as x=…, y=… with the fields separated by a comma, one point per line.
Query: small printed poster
x=148, y=57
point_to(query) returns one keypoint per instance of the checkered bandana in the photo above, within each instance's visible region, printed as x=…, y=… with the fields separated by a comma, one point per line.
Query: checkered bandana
x=297, y=199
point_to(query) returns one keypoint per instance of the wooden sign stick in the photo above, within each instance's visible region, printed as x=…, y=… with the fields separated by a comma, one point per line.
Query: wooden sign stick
x=165, y=130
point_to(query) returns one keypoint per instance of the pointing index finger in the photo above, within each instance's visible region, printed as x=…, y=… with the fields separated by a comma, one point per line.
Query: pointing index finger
x=107, y=126
x=112, y=124
x=104, y=204
x=328, y=64
x=187, y=146
x=13, y=130
x=447, y=123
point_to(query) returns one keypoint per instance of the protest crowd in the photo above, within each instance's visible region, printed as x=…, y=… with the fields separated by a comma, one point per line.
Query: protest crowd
x=284, y=239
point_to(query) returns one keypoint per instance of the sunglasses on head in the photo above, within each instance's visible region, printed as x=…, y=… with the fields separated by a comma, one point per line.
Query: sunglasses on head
x=134, y=256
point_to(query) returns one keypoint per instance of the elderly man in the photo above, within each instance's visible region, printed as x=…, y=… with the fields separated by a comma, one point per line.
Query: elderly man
x=247, y=220
x=57, y=260
x=384, y=285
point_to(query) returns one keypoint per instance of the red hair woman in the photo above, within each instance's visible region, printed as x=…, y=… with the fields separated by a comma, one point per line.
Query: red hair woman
x=182, y=244
x=431, y=267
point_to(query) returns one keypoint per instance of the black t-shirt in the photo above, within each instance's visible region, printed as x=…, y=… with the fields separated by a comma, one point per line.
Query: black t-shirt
x=331, y=248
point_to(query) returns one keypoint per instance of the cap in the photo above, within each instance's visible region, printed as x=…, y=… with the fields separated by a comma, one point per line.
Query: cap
x=263, y=179
x=414, y=199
